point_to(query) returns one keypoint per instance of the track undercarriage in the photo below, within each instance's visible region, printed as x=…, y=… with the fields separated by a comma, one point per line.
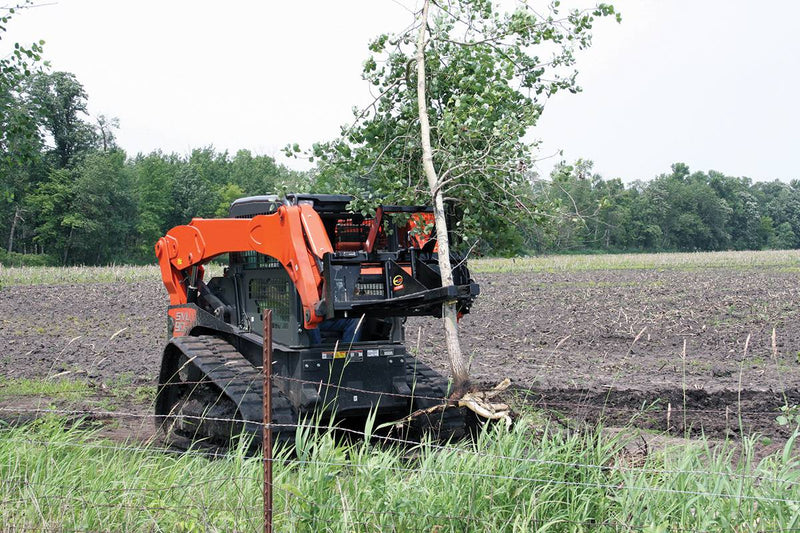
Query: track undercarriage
x=211, y=396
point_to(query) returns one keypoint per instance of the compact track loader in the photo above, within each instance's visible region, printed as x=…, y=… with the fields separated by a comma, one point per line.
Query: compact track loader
x=339, y=285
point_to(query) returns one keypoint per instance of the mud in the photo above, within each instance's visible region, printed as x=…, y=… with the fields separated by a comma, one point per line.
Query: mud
x=679, y=351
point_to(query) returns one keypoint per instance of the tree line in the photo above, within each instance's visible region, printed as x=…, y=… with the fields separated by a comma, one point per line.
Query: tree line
x=70, y=195
x=680, y=210
x=77, y=198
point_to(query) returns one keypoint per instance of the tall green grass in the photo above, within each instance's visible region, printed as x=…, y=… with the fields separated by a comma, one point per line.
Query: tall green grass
x=53, y=476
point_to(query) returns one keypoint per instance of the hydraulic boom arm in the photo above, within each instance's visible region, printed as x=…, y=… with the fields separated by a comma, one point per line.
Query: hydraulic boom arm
x=294, y=235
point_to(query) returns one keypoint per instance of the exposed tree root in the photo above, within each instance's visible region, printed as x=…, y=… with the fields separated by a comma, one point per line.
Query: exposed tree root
x=479, y=402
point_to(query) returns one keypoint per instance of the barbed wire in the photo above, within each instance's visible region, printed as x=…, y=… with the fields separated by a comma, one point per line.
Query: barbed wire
x=593, y=347
x=735, y=365
x=91, y=414
x=759, y=478
x=470, y=518
x=143, y=416
x=438, y=516
x=607, y=468
x=448, y=473
x=23, y=480
x=616, y=526
x=464, y=518
x=317, y=506
x=120, y=505
x=516, y=390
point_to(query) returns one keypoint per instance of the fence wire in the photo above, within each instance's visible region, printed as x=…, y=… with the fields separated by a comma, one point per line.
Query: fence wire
x=103, y=414
x=70, y=496
x=462, y=473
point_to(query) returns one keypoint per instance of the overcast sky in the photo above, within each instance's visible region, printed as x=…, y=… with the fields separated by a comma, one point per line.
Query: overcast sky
x=713, y=83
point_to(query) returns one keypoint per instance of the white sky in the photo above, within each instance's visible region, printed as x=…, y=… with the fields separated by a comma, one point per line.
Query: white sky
x=712, y=83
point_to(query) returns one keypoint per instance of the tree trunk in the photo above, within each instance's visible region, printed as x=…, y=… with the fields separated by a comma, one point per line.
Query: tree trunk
x=458, y=366
x=13, y=229
x=69, y=241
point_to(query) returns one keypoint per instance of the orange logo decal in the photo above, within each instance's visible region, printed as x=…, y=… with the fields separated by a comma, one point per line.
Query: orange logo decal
x=184, y=318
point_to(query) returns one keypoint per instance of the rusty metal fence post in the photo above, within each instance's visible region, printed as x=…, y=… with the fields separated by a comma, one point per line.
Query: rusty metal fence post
x=267, y=428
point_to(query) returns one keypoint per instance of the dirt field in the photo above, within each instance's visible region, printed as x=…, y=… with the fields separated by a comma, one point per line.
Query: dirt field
x=586, y=343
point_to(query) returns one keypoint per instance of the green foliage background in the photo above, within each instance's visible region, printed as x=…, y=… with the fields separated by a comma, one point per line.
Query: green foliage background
x=97, y=205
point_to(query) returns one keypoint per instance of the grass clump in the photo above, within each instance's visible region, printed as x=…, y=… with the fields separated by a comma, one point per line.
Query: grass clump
x=55, y=476
x=67, y=389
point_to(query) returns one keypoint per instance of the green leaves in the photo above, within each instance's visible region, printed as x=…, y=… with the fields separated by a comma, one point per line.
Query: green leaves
x=378, y=45
x=790, y=416
x=370, y=65
x=487, y=86
x=19, y=136
x=62, y=103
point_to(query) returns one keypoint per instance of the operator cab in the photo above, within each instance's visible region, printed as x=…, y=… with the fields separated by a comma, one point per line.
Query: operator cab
x=253, y=282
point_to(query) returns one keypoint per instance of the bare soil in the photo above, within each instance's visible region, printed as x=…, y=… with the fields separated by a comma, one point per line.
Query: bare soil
x=674, y=350
x=677, y=350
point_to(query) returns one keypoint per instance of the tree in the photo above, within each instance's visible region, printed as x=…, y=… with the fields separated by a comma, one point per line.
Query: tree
x=195, y=191
x=744, y=223
x=781, y=203
x=255, y=174
x=105, y=129
x=456, y=94
x=227, y=195
x=103, y=209
x=62, y=100
x=20, y=142
x=19, y=139
x=87, y=214
x=682, y=211
x=154, y=176
x=584, y=206
x=784, y=238
x=51, y=202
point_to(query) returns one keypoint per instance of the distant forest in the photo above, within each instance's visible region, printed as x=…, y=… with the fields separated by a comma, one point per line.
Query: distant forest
x=70, y=195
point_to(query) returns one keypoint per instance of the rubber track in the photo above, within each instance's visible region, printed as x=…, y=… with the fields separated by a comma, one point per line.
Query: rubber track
x=241, y=382
x=427, y=383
